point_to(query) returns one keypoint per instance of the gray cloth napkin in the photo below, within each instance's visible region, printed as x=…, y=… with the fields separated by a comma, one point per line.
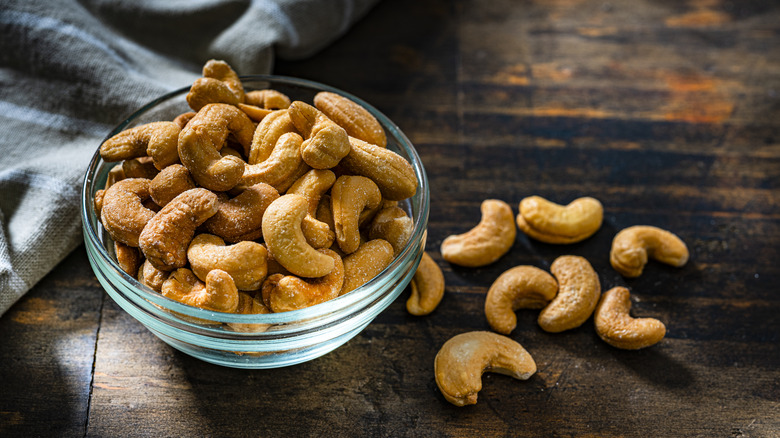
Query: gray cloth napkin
x=72, y=69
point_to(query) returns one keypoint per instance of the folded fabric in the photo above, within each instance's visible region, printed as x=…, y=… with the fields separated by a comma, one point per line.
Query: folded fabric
x=71, y=70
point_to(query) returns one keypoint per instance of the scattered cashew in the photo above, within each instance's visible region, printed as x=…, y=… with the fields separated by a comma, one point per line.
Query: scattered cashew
x=244, y=261
x=632, y=246
x=549, y=222
x=522, y=287
x=151, y=276
x=249, y=305
x=617, y=328
x=219, y=293
x=268, y=99
x=241, y=218
x=393, y=175
x=394, y=225
x=579, y=290
x=350, y=196
x=170, y=183
x=355, y=119
x=285, y=293
x=487, y=242
x=461, y=361
x=367, y=262
x=326, y=143
x=158, y=140
x=123, y=215
x=427, y=287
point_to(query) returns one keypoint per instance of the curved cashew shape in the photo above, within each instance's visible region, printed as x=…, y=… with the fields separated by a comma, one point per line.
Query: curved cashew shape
x=158, y=140
x=617, y=328
x=249, y=305
x=170, y=183
x=553, y=223
x=219, y=293
x=326, y=142
x=205, y=91
x=427, y=287
x=351, y=116
x=182, y=119
x=579, y=290
x=312, y=185
x=123, y=214
x=151, y=276
x=268, y=99
x=221, y=71
x=202, y=139
x=394, y=225
x=286, y=242
x=164, y=240
x=241, y=218
x=141, y=167
x=267, y=134
x=282, y=168
x=317, y=233
x=391, y=172
x=127, y=257
x=366, y=263
x=632, y=246
x=463, y=359
x=288, y=292
x=522, y=287
x=349, y=197
x=487, y=242
x=246, y=261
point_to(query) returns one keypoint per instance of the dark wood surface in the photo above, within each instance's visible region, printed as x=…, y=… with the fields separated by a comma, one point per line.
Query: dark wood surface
x=666, y=111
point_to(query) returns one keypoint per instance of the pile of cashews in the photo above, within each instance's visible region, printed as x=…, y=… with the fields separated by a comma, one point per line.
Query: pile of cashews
x=567, y=296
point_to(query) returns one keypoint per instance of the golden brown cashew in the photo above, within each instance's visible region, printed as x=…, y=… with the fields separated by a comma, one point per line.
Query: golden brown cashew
x=617, y=328
x=268, y=99
x=165, y=238
x=349, y=197
x=366, y=263
x=487, y=242
x=355, y=119
x=326, y=143
x=151, y=276
x=182, y=119
x=249, y=305
x=202, y=139
x=632, y=246
x=170, y=183
x=244, y=261
x=141, y=167
x=158, y=140
x=205, y=91
x=123, y=214
x=267, y=134
x=241, y=218
x=255, y=113
x=463, y=359
x=219, y=293
x=282, y=168
x=312, y=185
x=286, y=242
x=292, y=293
x=522, y=287
x=427, y=287
x=127, y=257
x=549, y=222
x=221, y=71
x=391, y=172
x=394, y=225
x=579, y=290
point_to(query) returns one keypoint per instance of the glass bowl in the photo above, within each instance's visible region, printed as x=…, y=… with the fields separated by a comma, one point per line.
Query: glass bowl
x=263, y=340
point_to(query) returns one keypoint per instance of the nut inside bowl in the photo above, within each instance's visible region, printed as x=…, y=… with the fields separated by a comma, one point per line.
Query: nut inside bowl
x=255, y=340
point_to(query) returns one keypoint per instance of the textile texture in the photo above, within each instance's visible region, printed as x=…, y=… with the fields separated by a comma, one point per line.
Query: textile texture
x=71, y=70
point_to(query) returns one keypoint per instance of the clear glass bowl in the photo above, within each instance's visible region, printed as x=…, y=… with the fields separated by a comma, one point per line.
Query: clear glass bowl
x=271, y=340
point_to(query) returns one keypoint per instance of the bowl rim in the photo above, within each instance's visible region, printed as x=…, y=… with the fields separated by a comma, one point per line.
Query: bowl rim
x=338, y=305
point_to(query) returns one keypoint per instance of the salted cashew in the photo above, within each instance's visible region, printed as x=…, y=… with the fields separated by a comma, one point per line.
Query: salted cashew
x=170, y=183
x=165, y=238
x=123, y=214
x=255, y=113
x=220, y=70
x=268, y=99
x=325, y=142
x=522, y=287
x=579, y=290
x=203, y=137
x=461, y=361
x=487, y=242
x=158, y=140
x=205, y=91
x=349, y=197
x=241, y=218
x=289, y=292
x=394, y=225
x=151, y=276
x=632, y=246
x=250, y=305
x=367, y=262
x=312, y=185
x=267, y=134
x=244, y=261
x=141, y=167
x=127, y=257
x=218, y=293
x=317, y=233
x=286, y=242
x=427, y=287
x=182, y=119
x=351, y=116
x=282, y=168
x=549, y=222
x=393, y=175
x=617, y=328
x=115, y=174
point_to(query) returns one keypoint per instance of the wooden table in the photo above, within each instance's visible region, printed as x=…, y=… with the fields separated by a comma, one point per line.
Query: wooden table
x=668, y=112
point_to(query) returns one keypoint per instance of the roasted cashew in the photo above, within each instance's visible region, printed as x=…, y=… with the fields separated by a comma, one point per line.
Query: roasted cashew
x=268, y=99
x=249, y=305
x=427, y=287
x=366, y=263
x=219, y=293
x=326, y=143
x=165, y=238
x=182, y=119
x=241, y=218
x=123, y=214
x=170, y=183
x=349, y=197
x=391, y=172
x=127, y=257
x=617, y=328
x=255, y=113
x=206, y=91
x=244, y=261
x=203, y=137
x=355, y=119
x=282, y=168
x=221, y=71
x=579, y=290
x=267, y=134
x=288, y=292
x=463, y=359
x=151, y=276
x=141, y=167
x=158, y=140
x=522, y=287
x=394, y=225
x=632, y=246
x=487, y=242
x=286, y=242
x=549, y=222
x=317, y=233
x=312, y=185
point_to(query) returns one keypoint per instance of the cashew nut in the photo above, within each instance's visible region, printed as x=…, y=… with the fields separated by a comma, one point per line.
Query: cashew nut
x=579, y=290
x=632, y=246
x=267, y=134
x=617, y=328
x=349, y=197
x=244, y=261
x=549, y=222
x=123, y=214
x=206, y=91
x=151, y=276
x=286, y=242
x=366, y=263
x=326, y=143
x=221, y=71
x=170, y=183
x=141, y=167
x=487, y=242
x=394, y=225
x=158, y=140
x=312, y=185
x=219, y=293
x=127, y=257
x=288, y=292
x=165, y=238
x=282, y=168
x=355, y=119
x=427, y=287
x=522, y=287
x=391, y=172
x=268, y=99
x=241, y=218
x=182, y=119
x=463, y=359
x=249, y=305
